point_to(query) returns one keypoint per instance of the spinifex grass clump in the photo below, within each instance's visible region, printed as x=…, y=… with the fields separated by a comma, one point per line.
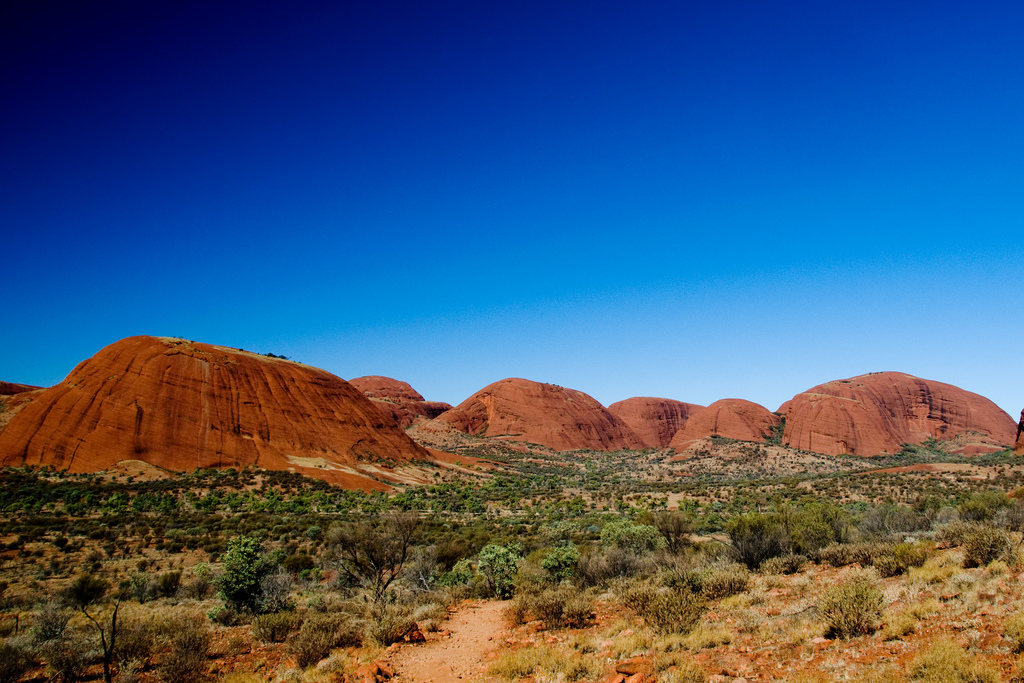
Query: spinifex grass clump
x=853, y=608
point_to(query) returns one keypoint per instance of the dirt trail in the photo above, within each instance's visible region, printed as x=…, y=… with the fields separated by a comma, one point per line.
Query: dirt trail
x=461, y=656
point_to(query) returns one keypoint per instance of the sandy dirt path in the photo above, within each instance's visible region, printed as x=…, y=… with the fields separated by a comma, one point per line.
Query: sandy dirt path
x=462, y=656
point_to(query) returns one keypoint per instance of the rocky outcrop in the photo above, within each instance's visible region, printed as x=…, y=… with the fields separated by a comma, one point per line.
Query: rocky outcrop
x=876, y=413
x=181, y=405
x=398, y=399
x=1019, y=448
x=654, y=420
x=9, y=388
x=732, y=418
x=553, y=416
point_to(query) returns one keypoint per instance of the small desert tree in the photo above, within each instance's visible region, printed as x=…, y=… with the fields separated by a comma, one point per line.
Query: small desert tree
x=85, y=592
x=245, y=567
x=373, y=554
x=499, y=565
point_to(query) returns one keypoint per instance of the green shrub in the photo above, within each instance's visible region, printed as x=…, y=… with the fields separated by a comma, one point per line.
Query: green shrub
x=1014, y=630
x=815, y=526
x=636, y=595
x=460, y=574
x=561, y=562
x=274, y=628
x=166, y=585
x=66, y=657
x=320, y=633
x=135, y=641
x=852, y=609
x=635, y=538
x=784, y=564
x=955, y=533
x=245, y=565
x=579, y=608
x=843, y=554
x=983, y=506
x=387, y=624
x=555, y=607
x=298, y=562
x=721, y=582
x=675, y=611
x=947, y=662
x=985, y=544
x=190, y=646
x=756, y=538
x=499, y=565
x=895, y=560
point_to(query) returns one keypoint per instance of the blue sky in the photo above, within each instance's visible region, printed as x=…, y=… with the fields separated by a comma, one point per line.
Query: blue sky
x=689, y=200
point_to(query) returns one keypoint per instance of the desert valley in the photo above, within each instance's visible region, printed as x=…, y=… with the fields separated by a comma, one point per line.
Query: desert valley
x=180, y=511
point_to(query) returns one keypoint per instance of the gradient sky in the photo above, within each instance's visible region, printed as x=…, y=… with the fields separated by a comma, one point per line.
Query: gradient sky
x=680, y=199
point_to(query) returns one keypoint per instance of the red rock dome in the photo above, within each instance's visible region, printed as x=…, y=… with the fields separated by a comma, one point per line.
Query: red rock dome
x=654, y=420
x=733, y=418
x=398, y=399
x=545, y=414
x=181, y=405
x=876, y=413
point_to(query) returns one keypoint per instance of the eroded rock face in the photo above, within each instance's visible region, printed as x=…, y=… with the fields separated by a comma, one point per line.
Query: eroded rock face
x=182, y=405
x=398, y=399
x=654, y=420
x=9, y=388
x=546, y=414
x=876, y=413
x=733, y=418
x=1019, y=448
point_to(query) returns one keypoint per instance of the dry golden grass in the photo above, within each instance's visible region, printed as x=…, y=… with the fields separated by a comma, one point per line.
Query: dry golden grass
x=545, y=663
x=935, y=570
x=708, y=635
x=946, y=662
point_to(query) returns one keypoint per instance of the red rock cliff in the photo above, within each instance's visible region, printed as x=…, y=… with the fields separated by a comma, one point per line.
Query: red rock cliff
x=182, y=405
x=875, y=413
x=733, y=418
x=398, y=399
x=1019, y=448
x=545, y=414
x=654, y=420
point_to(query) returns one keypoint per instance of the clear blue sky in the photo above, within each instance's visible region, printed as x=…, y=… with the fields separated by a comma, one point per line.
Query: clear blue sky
x=679, y=199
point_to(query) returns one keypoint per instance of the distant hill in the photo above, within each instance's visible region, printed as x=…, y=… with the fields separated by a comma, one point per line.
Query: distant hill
x=9, y=388
x=398, y=399
x=545, y=414
x=733, y=418
x=655, y=420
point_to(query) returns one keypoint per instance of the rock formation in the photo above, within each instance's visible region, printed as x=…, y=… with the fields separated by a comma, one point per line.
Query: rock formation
x=876, y=413
x=1019, y=448
x=9, y=388
x=654, y=420
x=182, y=405
x=732, y=418
x=545, y=414
x=398, y=399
